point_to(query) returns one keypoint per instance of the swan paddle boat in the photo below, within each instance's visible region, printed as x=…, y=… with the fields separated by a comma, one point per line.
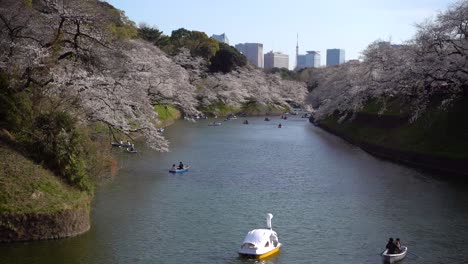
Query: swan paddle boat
x=392, y=258
x=260, y=243
x=185, y=169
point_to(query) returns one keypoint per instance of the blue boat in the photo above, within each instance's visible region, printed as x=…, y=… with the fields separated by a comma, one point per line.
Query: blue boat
x=185, y=169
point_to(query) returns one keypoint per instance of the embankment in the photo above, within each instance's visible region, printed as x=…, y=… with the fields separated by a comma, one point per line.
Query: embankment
x=35, y=204
x=436, y=141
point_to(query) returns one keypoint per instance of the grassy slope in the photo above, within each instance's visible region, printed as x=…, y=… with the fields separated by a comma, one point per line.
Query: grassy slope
x=167, y=114
x=26, y=187
x=435, y=133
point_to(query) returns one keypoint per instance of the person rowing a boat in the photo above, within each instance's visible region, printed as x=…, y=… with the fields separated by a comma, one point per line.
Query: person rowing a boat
x=181, y=166
x=391, y=246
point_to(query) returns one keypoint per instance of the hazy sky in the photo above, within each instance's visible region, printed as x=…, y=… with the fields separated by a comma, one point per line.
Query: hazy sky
x=349, y=25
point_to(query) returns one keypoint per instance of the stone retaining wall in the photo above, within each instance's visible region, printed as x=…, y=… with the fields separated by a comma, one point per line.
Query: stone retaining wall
x=40, y=226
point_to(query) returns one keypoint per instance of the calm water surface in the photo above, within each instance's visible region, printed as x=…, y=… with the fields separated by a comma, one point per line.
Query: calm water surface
x=332, y=202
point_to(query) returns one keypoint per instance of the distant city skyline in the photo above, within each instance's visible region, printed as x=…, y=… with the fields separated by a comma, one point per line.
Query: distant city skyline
x=348, y=25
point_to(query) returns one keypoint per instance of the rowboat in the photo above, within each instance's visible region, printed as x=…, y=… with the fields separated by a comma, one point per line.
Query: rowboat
x=392, y=258
x=260, y=243
x=131, y=150
x=185, y=169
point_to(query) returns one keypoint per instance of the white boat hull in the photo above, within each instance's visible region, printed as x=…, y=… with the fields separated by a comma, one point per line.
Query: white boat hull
x=259, y=253
x=392, y=258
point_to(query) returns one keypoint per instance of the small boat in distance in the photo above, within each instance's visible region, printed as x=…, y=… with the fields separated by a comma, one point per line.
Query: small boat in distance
x=185, y=169
x=116, y=144
x=392, y=258
x=260, y=243
x=132, y=149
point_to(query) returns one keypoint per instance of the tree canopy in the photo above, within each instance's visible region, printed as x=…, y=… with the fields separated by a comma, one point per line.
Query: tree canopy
x=226, y=59
x=433, y=63
x=198, y=43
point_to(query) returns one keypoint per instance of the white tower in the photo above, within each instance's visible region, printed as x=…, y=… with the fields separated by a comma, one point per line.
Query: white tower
x=297, y=50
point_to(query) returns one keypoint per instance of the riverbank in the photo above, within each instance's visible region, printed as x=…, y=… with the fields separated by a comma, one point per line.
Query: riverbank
x=436, y=141
x=249, y=108
x=35, y=204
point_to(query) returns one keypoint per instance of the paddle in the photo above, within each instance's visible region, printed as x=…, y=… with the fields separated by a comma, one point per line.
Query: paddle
x=409, y=252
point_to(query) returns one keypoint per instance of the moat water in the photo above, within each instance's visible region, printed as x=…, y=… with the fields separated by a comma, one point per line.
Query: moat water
x=331, y=201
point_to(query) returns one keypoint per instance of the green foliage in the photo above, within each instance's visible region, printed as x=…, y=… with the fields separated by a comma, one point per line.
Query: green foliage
x=285, y=73
x=124, y=31
x=197, y=42
x=123, y=28
x=50, y=135
x=220, y=109
x=253, y=108
x=227, y=59
x=58, y=138
x=14, y=107
x=167, y=112
x=28, y=3
x=154, y=36
x=26, y=187
x=436, y=133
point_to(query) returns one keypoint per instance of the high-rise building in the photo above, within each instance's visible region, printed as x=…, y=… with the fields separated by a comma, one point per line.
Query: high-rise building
x=335, y=57
x=253, y=52
x=221, y=38
x=300, y=61
x=276, y=60
x=309, y=60
x=312, y=59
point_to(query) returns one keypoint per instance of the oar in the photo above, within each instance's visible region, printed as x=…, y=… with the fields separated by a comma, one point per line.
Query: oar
x=413, y=254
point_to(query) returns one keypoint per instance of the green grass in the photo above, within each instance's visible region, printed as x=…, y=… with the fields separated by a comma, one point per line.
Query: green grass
x=219, y=109
x=167, y=113
x=26, y=187
x=395, y=106
x=436, y=132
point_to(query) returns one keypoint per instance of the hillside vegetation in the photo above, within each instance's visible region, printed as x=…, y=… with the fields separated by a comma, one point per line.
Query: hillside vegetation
x=74, y=72
x=404, y=102
x=37, y=190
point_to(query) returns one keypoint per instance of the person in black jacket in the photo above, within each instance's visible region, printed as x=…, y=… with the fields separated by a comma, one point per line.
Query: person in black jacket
x=391, y=246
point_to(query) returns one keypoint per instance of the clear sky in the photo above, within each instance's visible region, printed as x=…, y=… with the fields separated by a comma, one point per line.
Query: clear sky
x=346, y=24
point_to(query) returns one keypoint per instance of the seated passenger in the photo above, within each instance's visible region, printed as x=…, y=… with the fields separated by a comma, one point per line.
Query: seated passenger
x=397, y=246
x=390, y=246
x=181, y=166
